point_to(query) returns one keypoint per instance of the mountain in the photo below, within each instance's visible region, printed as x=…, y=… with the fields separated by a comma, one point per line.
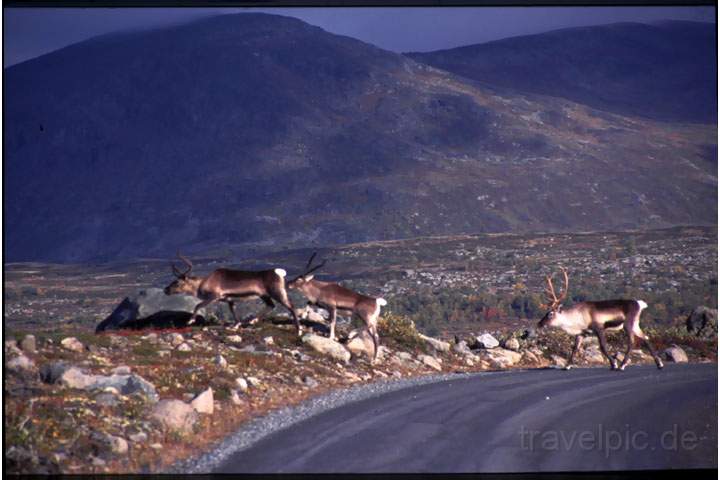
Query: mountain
x=663, y=71
x=259, y=131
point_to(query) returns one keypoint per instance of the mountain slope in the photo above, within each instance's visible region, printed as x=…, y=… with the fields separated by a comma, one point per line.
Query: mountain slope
x=664, y=71
x=258, y=130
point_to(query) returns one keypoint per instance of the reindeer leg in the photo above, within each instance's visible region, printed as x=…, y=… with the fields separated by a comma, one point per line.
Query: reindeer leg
x=648, y=345
x=231, y=304
x=578, y=341
x=333, y=318
x=200, y=305
x=280, y=295
x=603, y=347
x=269, y=306
x=630, y=343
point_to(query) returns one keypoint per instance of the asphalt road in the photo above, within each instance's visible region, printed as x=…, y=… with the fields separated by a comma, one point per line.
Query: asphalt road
x=538, y=420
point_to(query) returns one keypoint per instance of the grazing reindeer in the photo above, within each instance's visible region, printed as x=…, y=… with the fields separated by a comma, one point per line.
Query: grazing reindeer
x=224, y=285
x=587, y=318
x=333, y=297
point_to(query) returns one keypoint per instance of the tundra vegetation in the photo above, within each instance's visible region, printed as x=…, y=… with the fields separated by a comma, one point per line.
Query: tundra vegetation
x=138, y=401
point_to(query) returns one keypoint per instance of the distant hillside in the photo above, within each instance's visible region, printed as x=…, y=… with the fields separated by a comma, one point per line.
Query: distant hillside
x=665, y=71
x=259, y=130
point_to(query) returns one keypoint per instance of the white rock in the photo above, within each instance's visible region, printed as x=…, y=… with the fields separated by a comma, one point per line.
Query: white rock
x=235, y=339
x=118, y=445
x=361, y=343
x=501, y=357
x=203, y=403
x=268, y=341
x=242, y=384
x=235, y=398
x=675, y=354
x=487, y=341
x=139, y=437
x=175, y=339
x=21, y=362
x=121, y=370
x=175, y=415
x=220, y=361
x=430, y=361
x=254, y=382
x=184, y=347
x=327, y=347
x=513, y=344
x=72, y=344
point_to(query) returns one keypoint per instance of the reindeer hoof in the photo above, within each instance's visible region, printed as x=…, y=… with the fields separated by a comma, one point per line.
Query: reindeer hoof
x=568, y=367
x=192, y=320
x=660, y=365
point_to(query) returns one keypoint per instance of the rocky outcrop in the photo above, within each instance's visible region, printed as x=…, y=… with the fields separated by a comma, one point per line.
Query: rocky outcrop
x=486, y=341
x=431, y=362
x=151, y=308
x=500, y=357
x=438, y=345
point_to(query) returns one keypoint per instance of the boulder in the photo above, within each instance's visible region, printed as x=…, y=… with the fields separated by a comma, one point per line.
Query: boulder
x=21, y=363
x=512, y=343
x=72, y=344
x=486, y=341
x=175, y=415
x=501, y=357
x=235, y=398
x=438, y=345
x=675, y=354
x=184, y=347
x=431, y=362
x=28, y=344
x=151, y=308
x=461, y=348
x=242, y=384
x=74, y=377
x=203, y=403
x=327, y=347
x=702, y=322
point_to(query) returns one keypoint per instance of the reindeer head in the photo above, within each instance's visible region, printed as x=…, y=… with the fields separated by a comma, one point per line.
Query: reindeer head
x=554, y=304
x=183, y=283
x=303, y=280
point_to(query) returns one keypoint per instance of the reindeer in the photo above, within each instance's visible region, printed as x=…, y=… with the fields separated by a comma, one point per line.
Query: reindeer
x=225, y=285
x=588, y=318
x=333, y=297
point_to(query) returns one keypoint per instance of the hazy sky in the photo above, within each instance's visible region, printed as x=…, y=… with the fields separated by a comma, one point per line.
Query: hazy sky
x=28, y=33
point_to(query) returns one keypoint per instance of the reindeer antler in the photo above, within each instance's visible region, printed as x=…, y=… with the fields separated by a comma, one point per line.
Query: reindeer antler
x=553, y=300
x=309, y=270
x=189, y=264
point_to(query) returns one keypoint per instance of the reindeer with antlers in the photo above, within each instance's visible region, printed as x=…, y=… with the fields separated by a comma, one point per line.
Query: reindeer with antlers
x=333, y=297
x=587, y=318
x=225, y=285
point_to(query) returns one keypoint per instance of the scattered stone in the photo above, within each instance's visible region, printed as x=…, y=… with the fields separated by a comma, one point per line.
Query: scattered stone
x=430, y=361
x=28, y=344
x=175, y=415
x=327, y=347
x=404, y=356
x=151, y=337
x=203, y=403
x=21, y=363
x=221, y=362
x=501, y=357
x=242, y=384
x=675, y=354
x=140, y=437
x=530, y=357
x=557, y=361
x=118, y=341
x=268, y=341
x=163, y=353
x=116, y=445
x=235, y=339
x=461, y=348
x=174, y=339
x=513, y=344
x=235, y=398
x=310, y=382
x=184, y=347
x=438, y=345
x=156, y=446
x=351, y=376
x=486, y=341
x=254, y=382
x=529, y=334
x=96, y=461
x=72, y=344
